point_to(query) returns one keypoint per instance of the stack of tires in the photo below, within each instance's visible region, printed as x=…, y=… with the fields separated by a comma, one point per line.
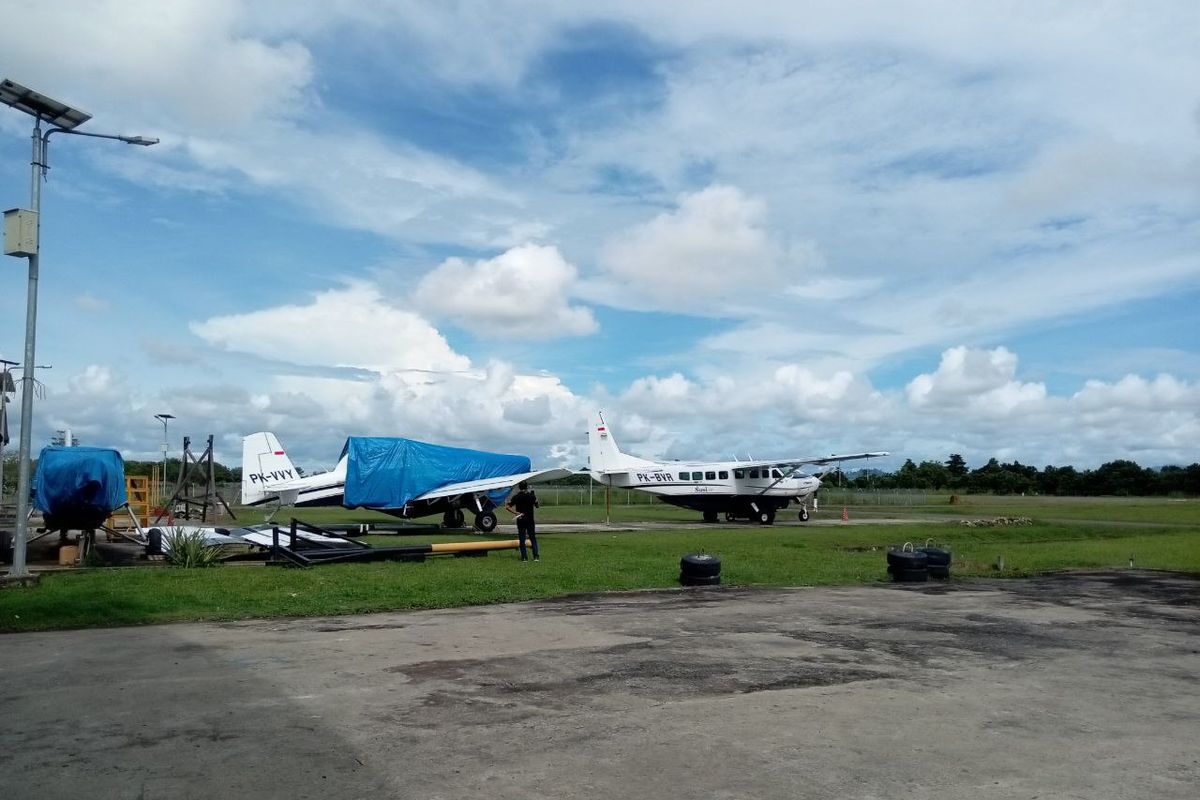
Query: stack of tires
x=699, y=569
x=907, y=564
x=937, y=561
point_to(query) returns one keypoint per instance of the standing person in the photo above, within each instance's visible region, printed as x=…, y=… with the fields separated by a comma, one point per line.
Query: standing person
x=522, y=504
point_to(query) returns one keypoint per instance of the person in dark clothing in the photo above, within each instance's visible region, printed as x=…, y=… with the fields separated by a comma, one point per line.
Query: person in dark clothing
x=522, y=504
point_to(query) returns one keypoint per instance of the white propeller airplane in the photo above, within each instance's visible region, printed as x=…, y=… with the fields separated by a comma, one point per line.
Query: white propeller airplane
x=739, y=489
x=268, y=475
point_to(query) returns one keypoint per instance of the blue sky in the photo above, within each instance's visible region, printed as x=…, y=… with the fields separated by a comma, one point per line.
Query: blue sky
x=778, y=228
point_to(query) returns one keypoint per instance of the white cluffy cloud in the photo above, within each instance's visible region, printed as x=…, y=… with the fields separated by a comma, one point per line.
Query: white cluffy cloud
x=349, y=327
x=984, y=380
x=964, y=406
x=526, y=291
x=713, y=248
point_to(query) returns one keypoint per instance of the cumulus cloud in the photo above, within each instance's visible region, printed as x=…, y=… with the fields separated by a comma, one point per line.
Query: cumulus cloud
x=188, y=63
x=348, y=327
x=522, y=292
x=983, y=379
x=712, y=248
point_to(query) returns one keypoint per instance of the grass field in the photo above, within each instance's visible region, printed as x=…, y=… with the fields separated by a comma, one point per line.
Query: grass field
x=1067, y=533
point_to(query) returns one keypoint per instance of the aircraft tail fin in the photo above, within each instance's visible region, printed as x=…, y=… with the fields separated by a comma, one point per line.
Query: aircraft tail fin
x=603, y=453
x=264, y=463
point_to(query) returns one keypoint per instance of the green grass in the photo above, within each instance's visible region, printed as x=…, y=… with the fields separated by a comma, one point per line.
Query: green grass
x=575, y=562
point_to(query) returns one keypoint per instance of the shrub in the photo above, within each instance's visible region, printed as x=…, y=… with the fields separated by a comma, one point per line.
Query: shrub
x=184, y=548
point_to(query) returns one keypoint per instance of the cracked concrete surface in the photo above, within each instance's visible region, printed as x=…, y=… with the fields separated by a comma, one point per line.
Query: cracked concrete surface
x=1082, y=685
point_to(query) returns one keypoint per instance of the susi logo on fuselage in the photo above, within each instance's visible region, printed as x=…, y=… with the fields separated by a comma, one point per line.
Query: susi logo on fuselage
x=275, y=476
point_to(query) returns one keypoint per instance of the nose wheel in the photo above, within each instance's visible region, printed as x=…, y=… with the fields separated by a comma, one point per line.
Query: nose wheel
x=804, y=513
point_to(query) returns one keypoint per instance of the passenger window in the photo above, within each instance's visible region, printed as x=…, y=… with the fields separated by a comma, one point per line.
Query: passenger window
x=710, y=476
x=723, y=475
x=683, y=476
x=753, y=474
x=739, y=473
x=776, y=473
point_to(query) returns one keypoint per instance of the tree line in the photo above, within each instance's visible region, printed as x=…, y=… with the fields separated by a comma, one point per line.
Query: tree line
x=221, y=473
x=1119, y=477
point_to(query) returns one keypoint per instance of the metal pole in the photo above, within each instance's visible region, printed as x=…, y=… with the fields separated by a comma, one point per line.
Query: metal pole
x=164, y=472
x=18, y=568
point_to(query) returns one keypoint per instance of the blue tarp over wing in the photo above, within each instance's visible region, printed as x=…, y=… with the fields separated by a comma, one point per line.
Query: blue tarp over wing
x=78, y=486
x=389, y=472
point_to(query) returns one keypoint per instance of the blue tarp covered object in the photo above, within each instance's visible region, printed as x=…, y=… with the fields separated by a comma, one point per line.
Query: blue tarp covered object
x=390, y=472
x=78, y=486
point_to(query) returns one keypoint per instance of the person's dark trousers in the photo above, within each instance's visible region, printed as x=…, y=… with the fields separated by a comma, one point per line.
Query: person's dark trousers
x=525, y=527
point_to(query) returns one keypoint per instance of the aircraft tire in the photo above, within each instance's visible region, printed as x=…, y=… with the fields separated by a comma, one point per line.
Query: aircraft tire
x=699, y=565
x=730, y=516
x=485, y=522
x=710, y=516
x=766, y=517
x=804, y=513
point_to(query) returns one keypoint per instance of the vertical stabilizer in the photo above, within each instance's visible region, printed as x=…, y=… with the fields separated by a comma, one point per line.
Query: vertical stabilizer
x=603, y=454
x=264, y=463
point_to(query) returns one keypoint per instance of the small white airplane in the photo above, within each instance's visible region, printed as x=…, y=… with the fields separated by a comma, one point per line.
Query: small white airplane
x=268, y=475
x=739, y=489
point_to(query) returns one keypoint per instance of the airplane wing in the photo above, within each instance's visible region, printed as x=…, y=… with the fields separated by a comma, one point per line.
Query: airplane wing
x=494, y=484
x=790, y=467
x=796, y=463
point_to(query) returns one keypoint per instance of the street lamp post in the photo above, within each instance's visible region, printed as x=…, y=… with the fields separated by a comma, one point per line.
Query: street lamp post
x=6, y=387
x=62, y=119
x=163, y=419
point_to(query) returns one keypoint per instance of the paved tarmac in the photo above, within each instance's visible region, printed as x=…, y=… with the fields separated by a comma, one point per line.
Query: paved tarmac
x=1071, y=686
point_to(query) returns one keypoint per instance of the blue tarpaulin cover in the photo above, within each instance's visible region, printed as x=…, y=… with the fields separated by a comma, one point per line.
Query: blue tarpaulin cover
x=384, y=472
x=79, y=486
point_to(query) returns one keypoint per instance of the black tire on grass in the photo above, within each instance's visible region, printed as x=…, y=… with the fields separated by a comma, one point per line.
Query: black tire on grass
x=910, y=575
x=485, y=522
x=907, y=559
x=699, y=580
x=935, y=556
x=700, y=565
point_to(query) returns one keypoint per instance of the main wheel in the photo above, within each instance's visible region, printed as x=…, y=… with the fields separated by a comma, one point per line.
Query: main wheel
x=710, y=516
x=766, y=516
x=485, y=522
x=452, y=518
x=804, y=513
x=730, y=516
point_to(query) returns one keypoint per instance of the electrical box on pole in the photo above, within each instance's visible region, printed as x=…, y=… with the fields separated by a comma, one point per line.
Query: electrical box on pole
x=20, y=233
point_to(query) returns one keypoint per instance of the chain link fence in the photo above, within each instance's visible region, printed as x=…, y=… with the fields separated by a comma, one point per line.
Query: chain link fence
x=834, y=496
